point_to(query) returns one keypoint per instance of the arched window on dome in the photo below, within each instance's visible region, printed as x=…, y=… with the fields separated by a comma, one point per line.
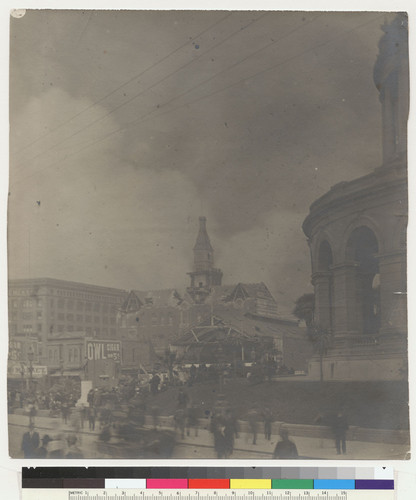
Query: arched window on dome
x=362, y=249
x=324, y=287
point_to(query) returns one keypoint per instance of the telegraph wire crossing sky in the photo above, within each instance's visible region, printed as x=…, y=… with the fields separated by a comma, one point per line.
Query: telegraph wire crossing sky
x=125, y=123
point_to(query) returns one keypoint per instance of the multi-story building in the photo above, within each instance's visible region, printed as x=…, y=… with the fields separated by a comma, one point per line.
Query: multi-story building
x=46, y=308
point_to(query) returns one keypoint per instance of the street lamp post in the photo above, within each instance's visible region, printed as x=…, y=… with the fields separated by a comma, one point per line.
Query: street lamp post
x=61, y=369
x=22, y=373
x=220, y=358
x=30, y=357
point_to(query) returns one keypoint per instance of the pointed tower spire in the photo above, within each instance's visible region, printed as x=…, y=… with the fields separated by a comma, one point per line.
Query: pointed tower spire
x=203, y=251
x=204, y=275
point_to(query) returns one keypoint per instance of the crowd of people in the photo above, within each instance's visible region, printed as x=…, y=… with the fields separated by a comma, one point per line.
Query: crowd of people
x=134, y=399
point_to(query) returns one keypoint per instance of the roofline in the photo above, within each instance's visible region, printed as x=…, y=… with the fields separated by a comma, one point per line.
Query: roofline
x=272, y=319
x=61, y=283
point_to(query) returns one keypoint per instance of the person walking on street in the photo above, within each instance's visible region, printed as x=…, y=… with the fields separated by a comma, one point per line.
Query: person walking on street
x=92, y=413
x=65, y=412
x=217, y=428
x=192, y=375
x=252, y=418
x=90, y=397
x=183, y=399
x=30, y=442
x=340, y=427
x=154, y=384
x=285, y=448
x=192, y=422
x=230, y=433
x=268, y=420
x=32, y=412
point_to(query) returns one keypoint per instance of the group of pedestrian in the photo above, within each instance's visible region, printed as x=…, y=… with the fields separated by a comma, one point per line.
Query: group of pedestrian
x=224, y=429
x=285, y=448
x=55, y=446
x=254, y=416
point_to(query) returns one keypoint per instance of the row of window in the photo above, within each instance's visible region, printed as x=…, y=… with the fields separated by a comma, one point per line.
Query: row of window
x=27, y=315
x=65, y=293
x=89, y=330
x=88, y=296
x=26, y=303
x=81, y=306
x=61, y=304
x=37, y=328
x=38, y=315
x=27, y=328
x=21, y=291
x=88, y=319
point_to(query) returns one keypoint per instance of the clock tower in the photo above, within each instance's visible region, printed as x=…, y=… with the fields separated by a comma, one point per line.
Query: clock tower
x=204, y=275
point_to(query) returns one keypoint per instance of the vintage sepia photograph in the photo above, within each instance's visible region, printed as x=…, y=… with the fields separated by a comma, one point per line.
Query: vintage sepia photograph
x=207, y=220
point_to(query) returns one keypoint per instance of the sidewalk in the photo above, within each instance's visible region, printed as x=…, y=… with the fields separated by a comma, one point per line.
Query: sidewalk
x=192, y=446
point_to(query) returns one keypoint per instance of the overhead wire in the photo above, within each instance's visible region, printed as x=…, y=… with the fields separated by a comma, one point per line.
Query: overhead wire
x=131, y=99
x=132, y=79
x=148, y=116
x=267, y=69
x=168, y=76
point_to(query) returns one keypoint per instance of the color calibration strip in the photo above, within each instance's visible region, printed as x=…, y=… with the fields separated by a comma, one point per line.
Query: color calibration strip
x=255, y=478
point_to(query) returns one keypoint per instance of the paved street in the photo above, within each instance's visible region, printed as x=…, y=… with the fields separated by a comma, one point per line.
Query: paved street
x=202, y=446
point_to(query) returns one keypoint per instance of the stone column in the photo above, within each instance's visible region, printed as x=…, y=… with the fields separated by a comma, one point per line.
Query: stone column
x=322, y=282
x=389, y=133
x=402, y=108
x=346, y=313
x=393, y=297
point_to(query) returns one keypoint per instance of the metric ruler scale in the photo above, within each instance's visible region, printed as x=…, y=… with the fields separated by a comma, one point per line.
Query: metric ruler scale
x=130, y=494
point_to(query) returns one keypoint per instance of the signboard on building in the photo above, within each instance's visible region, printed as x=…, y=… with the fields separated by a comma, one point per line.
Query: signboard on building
x=101, y=349
x=22, y=371
x=15, y=350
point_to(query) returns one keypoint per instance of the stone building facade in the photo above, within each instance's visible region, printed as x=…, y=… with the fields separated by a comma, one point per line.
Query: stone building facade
x=357, y=238
x=46, y=308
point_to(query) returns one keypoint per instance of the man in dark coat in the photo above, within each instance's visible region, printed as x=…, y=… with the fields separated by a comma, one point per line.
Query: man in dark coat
x=285, y=448
x=253, y=417
x=217, y=428
x=230, y=433
x=192, y=374
x=340, y=427
x=154, y=384
x=268, y=420
x=183, y=399
x=92, y=413
x=30, y=442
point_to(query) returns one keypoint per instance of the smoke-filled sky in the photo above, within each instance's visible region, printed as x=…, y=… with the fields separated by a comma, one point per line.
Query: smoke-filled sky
x=128, y=125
